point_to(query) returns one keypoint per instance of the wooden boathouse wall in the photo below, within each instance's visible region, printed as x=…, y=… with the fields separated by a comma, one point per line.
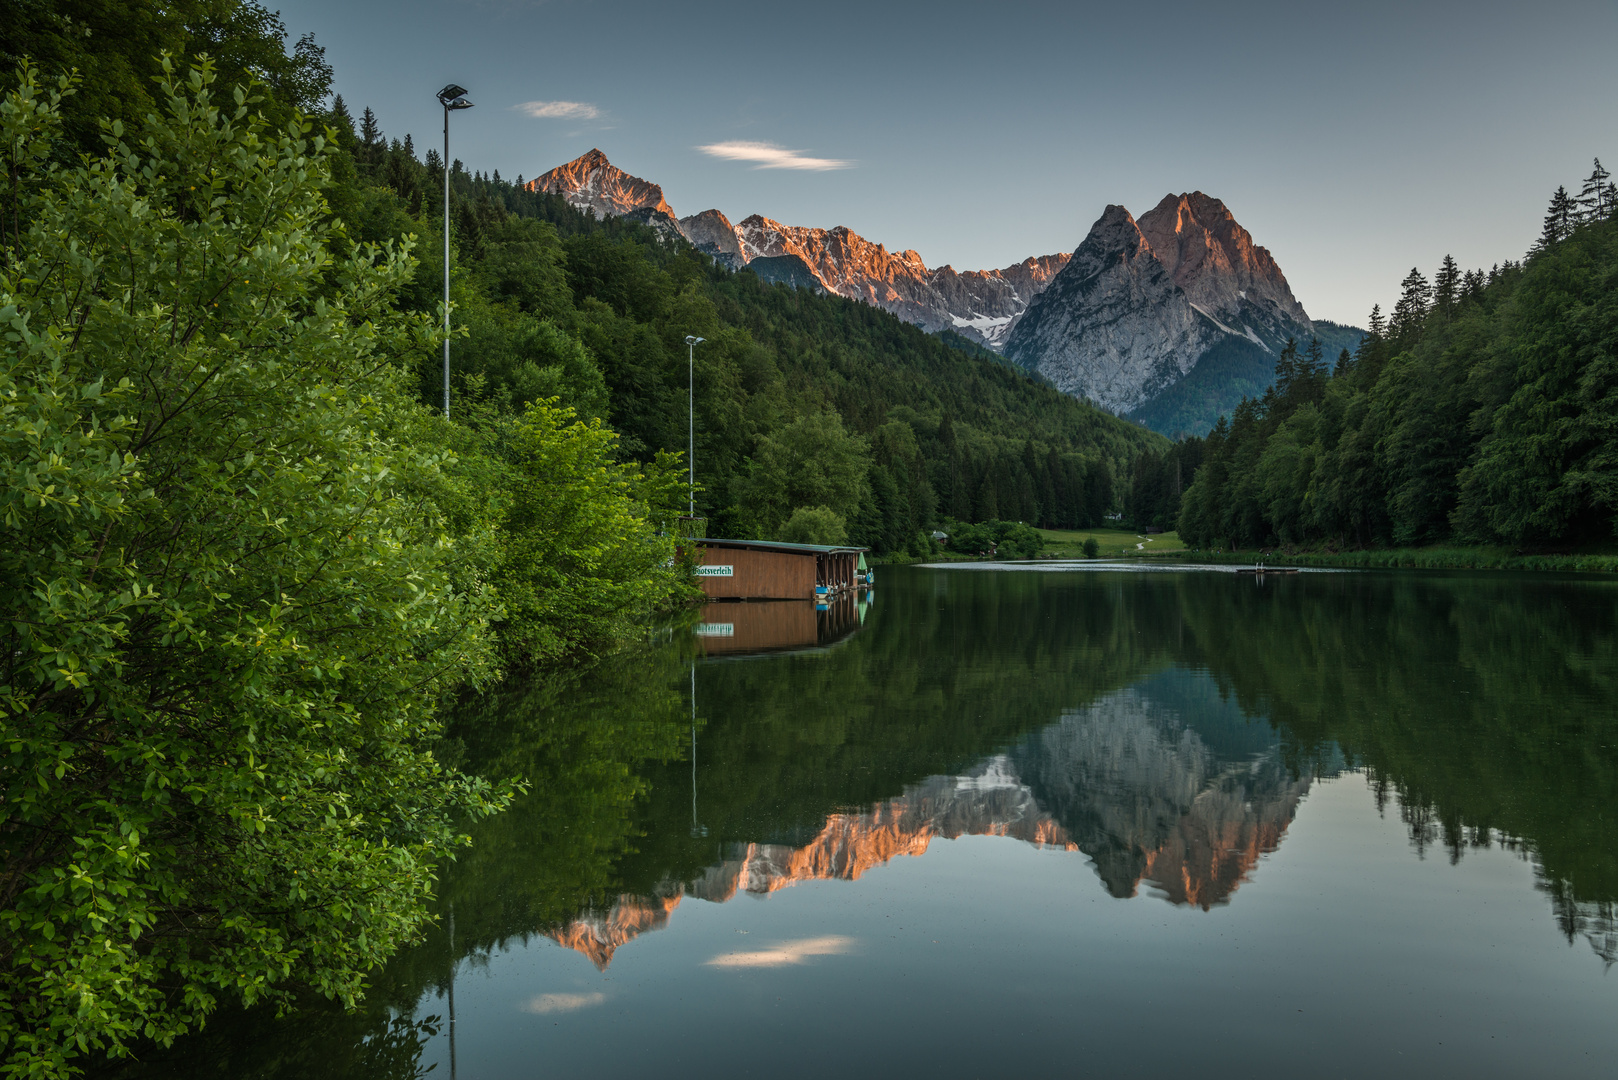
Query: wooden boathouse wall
x=762, y=570
x=762, y=575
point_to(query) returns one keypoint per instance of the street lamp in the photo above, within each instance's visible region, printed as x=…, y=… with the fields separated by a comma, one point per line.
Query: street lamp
x=453, y=98
x=691, y=344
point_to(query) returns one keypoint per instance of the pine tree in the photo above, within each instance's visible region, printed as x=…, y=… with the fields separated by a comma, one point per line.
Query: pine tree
x=1472, y=284
x=1559, y=220
x=1378, y=324
x=1447, y=285
x=1286, y=368
x=343, y=121
x=1411, y=310
x=1316, y=362
x=370, y=130
x=1609, y=201
x=1591, y=203
x=1344, y=362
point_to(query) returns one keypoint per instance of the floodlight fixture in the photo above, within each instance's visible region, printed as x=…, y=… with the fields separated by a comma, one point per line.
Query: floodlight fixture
x=453, y=98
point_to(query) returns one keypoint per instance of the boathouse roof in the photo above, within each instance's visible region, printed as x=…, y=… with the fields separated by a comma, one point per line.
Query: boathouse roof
x=775, y=545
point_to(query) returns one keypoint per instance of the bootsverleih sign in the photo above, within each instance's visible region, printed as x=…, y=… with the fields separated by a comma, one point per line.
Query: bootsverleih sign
x=716, y=571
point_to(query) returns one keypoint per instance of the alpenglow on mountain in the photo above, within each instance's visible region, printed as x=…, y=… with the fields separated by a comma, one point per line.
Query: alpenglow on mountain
x=980, y=304
x=1170, y=320
x=1129, y=782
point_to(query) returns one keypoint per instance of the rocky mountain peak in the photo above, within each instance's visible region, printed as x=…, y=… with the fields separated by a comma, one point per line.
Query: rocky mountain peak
x=1114, y=236
x=711, y=233
x=592, y=183
x=1215, y=262
x=1112, y=325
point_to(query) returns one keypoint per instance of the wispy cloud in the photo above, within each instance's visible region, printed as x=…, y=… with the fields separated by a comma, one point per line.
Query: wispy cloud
x=770, y=156
x=788, y=952
x=559, y=110
x=558, y=1003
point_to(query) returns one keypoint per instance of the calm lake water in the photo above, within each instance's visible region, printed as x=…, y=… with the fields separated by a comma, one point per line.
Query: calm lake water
x=1037, y=820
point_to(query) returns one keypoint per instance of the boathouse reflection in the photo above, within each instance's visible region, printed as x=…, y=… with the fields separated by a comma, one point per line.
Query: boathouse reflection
x=755, y=627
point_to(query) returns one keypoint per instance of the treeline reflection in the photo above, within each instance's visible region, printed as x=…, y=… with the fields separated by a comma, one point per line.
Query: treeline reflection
x=1165, y=726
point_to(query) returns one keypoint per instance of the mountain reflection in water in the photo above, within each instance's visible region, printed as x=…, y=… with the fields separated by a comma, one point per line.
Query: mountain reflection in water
x=1161, y=729
x=1127, y=781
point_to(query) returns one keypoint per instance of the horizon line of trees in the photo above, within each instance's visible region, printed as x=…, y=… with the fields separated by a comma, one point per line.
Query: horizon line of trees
x=1480, y=412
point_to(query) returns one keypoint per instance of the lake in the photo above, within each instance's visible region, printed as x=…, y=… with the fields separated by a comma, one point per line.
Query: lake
x=1004, y=819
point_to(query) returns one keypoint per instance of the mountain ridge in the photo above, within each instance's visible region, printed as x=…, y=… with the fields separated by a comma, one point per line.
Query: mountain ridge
x=982, y=305
x=1141, y=303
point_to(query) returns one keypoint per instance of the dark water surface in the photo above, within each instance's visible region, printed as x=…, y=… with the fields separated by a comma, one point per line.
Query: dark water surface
x=1045, y=821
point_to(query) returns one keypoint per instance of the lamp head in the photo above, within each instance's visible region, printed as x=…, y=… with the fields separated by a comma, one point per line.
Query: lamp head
x=694, y=340
x=450, y=92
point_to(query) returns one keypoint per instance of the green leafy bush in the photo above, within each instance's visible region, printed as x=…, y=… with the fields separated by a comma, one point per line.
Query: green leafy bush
x=229, y=613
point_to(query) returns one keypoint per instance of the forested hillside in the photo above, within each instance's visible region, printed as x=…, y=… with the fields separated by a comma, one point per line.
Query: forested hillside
x=1233, y=369
x=803, y=400
x=1484, y=411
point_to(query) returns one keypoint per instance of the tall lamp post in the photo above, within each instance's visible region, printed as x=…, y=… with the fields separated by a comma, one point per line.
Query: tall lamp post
x=453, y=98
x=691, y=344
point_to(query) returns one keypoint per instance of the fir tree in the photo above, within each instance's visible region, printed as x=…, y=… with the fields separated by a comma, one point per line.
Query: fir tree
x=1378, y=324
x=370, y=130
x=1591, y=203
x=1411, y=310
x=1344, y=362
x=1447, y=285
x=1559, y=220
x=343, y=121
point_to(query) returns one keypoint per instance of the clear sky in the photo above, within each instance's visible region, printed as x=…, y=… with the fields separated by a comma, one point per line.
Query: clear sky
x=1354, y=140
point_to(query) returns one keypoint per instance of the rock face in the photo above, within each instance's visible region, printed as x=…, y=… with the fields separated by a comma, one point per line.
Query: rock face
x=593, y=184
x=848, y=264
x=1112, y=326
x=711, y=233
x=1139, y=304
x=1221, y=271
x=980, y=304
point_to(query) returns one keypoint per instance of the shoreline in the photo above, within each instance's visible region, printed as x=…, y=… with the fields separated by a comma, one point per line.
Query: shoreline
x=1434, y=558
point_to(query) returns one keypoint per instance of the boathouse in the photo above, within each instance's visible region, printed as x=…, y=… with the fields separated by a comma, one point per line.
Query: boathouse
x=767, y=570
